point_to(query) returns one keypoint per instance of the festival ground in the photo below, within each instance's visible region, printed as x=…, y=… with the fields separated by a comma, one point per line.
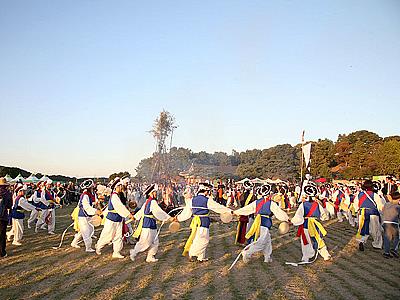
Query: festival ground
x=35, y=270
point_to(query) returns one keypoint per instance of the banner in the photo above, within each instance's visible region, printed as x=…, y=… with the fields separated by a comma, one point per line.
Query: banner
x=307, y=155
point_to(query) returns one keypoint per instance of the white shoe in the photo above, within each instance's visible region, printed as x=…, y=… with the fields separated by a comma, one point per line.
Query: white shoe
x=51, y=232
x=268, y=260
x=75, y=246
x=98, y=252
x=16, y=243
x=43, y=227
x=36, y=230
x=90, y=250
x=246, y=257
x=29, y=226
x=151, y=259
x=117, y=255
x=132, y=255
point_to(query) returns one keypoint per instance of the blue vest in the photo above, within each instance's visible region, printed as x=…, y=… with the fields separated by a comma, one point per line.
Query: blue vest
x=82, y=212
x=17, y=212
x=316, y=214
x=40, y=205
x=265, y=212
x=148, y=218
x=371, y=208
x=201, y=201
x=113, y=216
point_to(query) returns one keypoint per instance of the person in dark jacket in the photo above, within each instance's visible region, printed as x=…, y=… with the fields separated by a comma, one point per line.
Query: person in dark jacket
x=5, y=206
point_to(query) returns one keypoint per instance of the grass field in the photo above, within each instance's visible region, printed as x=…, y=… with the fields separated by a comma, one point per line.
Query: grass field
x=35, y=270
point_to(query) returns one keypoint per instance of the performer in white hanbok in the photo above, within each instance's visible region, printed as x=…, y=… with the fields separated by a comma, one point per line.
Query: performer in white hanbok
x=17, y=214
x=147, y=229
x=311, y=231
x=200, y=206
x=86, y=211
x=369, y=206
x=36, y=200
x=112, y=231
x=263, y=209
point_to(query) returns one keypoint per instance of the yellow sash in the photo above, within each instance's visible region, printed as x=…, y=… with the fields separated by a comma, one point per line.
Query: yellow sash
x=74, y=217
x=313, y=224
x=255, y=228
x=138, y=230
x=196, y=222
x=248, y=199
x=361, y=223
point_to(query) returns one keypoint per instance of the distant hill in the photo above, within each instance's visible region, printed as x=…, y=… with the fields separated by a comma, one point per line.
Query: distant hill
x=14, y=171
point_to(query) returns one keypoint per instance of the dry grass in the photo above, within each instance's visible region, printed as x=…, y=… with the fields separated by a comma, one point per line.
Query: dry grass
x=36, y=271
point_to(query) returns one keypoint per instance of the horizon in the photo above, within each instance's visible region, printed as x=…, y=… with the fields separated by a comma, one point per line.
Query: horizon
x=82, y=83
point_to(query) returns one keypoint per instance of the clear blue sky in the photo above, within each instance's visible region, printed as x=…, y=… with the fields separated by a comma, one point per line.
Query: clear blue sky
x=82, y=81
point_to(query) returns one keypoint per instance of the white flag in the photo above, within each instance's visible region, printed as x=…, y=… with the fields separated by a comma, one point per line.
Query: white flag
x=307, y=155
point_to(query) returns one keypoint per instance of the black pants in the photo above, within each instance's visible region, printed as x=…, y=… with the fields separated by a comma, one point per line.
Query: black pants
x=3, y=238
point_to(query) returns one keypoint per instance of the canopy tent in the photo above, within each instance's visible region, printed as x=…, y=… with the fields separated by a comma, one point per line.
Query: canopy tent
x=241, y=181
x=18, y=178
x=44, y=178
x=8, y=178
x=32, y=179
x=257, y=181
x=274, y=181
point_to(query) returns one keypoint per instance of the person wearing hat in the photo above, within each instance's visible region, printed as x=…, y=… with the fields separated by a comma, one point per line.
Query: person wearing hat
x=18, y=215
x=116, y=213
x=263, y=209
x=37, y=203
x=48, y=217
x=86, y=211
x=311, y=231
x=245, y=222
x=341, y=200
x=5, y=205
x=369, y=206
x=200, y=206
x=147, y=229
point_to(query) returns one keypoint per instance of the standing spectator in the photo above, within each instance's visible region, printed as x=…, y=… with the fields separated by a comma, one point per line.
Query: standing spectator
x=5, y=205
x=390, y=215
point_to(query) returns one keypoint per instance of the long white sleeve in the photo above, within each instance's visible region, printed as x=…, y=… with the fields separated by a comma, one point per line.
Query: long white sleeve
x=324, y=216
x=246, y=210
x=298, y=217
x=186, y=212
x=218, y=208
x=278, y=212
x=90, y=210
x=25, y=204
x=119, y=207
x=158, y=212
x=140, y=213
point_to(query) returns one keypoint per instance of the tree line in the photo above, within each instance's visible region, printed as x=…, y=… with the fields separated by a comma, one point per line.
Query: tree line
x=359, y=154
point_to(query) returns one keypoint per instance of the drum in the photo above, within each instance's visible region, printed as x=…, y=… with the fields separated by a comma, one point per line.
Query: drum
x=283, y=228
x=174, y=227
x=96, y=221
x=226, y=217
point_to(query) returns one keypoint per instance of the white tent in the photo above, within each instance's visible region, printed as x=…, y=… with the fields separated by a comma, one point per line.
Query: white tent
x=44, y=178
x=257, y=181
x=274, y=181
x=8, y=178
x=18, y=178
x=241, y=181
x=32, y=178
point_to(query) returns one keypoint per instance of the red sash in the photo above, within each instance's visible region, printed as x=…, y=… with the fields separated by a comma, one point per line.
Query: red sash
x=362, y=199
x=261, y=203
x=300, y=231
